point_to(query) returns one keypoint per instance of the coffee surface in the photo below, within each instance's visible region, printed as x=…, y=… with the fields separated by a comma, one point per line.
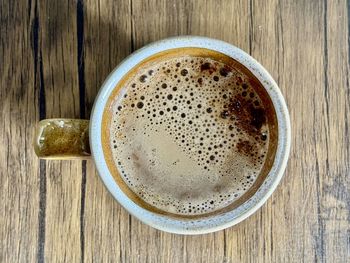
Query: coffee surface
x=188, y=134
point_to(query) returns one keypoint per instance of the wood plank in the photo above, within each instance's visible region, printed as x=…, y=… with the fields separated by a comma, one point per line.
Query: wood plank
x=19, y=180
x=107, y=40
x=334, y=152
x=225, y=20
x=59, y=56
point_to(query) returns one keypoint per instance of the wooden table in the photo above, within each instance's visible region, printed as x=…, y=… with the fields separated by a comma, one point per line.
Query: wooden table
x=55, y=55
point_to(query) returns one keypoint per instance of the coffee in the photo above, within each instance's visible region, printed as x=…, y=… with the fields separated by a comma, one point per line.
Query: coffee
x=189, y=132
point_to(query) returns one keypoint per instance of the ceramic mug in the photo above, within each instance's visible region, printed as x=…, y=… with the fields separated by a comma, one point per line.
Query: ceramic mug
x=74, y=138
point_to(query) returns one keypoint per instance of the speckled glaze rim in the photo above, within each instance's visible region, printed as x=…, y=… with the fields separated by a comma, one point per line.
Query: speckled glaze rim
x=217, y=222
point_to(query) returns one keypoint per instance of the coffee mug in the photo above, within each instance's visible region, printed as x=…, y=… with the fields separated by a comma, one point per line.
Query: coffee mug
x=69, y=139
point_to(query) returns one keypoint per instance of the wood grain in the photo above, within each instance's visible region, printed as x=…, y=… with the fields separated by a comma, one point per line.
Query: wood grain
x=56, y=54
x=19, y=180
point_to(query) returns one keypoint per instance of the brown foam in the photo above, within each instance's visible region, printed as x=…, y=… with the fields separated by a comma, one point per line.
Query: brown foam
x=189, y=132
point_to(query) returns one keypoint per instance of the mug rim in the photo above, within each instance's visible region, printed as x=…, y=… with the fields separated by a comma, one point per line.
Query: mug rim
x=215, y=222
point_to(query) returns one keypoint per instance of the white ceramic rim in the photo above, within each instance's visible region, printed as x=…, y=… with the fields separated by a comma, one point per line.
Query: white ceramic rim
x=216, y=222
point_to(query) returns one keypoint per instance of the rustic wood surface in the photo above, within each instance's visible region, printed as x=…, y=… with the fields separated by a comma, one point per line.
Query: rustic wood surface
x=54, y=56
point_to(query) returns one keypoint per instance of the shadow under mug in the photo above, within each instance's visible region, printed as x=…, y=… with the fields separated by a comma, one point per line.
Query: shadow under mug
x=73, y=139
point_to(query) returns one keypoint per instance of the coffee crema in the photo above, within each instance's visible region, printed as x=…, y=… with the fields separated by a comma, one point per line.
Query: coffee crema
x=189, y=132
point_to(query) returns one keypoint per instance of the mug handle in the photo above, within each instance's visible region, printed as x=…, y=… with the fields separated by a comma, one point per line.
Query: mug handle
x=62, y=139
